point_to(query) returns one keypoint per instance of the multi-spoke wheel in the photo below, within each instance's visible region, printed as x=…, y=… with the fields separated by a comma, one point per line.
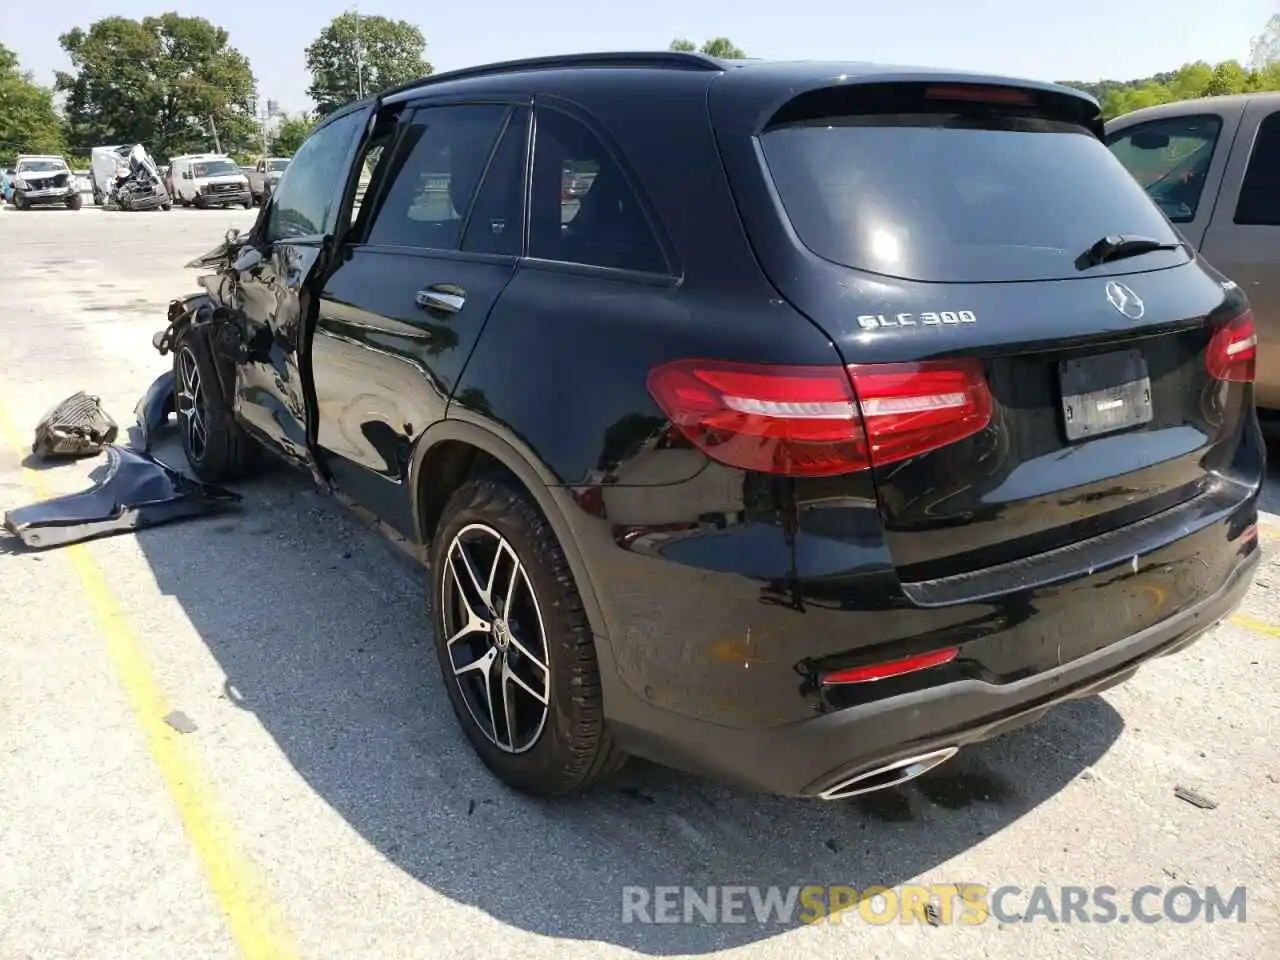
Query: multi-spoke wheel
x=496, y=639
x=215, y=446
x=190, y=403
x=515, y=649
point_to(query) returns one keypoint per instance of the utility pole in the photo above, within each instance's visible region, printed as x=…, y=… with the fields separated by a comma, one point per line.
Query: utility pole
x=217, y=144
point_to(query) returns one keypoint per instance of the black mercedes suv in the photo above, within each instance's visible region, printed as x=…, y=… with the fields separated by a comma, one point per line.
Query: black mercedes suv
x=792, y=423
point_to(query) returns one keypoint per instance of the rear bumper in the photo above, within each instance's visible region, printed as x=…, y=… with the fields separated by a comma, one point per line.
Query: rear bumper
x=806, y=758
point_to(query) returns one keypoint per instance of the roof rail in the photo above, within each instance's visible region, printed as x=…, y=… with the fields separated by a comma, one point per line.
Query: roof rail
x=658, y=60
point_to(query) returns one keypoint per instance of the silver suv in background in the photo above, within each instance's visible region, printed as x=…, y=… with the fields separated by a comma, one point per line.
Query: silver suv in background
x=1213, y=167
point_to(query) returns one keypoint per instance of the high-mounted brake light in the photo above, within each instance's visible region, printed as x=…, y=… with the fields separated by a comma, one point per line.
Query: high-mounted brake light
x=978, y=94
x=1233, y=350
x=892, y=668
x=820, y=421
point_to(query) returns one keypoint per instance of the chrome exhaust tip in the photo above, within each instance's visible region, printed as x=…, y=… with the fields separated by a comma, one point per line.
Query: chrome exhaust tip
x=889, y=775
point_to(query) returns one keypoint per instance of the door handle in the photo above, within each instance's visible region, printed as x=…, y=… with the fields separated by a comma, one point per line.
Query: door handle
x=444, y=297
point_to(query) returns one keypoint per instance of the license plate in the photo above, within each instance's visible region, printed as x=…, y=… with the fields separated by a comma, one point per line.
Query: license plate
x=1105, y=393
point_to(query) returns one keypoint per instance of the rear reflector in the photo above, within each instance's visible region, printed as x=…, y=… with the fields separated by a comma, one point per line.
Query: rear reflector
x=1233, y=350
x=892, y=668
x=820, y=421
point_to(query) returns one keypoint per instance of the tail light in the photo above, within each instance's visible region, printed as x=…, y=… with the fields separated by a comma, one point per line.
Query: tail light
x=1233, y=350
x=893, y=668
x=820, y=421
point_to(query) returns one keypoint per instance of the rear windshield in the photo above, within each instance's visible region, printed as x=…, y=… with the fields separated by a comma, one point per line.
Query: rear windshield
x=942, y=197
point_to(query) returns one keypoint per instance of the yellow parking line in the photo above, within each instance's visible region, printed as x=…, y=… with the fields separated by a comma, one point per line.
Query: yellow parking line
x=254, y=919
x=1257, y=626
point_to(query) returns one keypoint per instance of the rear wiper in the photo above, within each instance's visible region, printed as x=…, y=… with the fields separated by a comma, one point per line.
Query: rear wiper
x=1120, y=246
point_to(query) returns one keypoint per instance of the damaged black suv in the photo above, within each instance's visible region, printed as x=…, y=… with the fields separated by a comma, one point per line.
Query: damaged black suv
x=795, y=424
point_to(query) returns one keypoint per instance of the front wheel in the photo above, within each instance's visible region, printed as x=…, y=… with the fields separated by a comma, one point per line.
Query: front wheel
x=74, y=202
x=20, y=201
x=516, y=652
x=216, y=447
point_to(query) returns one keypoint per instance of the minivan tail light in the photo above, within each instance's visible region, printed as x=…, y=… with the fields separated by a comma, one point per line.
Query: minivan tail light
x=1233, y=350
x=815, y=421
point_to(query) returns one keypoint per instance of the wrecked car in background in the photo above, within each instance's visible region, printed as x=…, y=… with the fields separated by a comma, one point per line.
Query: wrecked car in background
x=44, y=180
x=125, y=177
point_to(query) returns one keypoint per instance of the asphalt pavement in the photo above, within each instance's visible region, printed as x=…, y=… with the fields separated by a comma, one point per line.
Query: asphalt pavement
x=228, y=738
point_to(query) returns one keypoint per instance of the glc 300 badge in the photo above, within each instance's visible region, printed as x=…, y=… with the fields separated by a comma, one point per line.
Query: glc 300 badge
x=874, y=321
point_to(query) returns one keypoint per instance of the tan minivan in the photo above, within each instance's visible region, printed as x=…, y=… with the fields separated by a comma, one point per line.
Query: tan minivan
x=1213, y=167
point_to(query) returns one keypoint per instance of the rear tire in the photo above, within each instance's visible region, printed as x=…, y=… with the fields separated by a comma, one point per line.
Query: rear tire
x=217, y=448
x=526, y=690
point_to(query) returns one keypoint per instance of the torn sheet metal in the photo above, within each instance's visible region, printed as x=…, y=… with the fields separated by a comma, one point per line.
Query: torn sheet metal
x=152, y=411
x=136, y=491
x=77, y=427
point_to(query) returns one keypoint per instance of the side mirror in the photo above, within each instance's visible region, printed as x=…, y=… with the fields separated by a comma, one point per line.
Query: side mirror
x=248, y=259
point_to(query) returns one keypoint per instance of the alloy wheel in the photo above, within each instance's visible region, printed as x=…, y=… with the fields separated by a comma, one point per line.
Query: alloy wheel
x=191, y=404
x=497, y=644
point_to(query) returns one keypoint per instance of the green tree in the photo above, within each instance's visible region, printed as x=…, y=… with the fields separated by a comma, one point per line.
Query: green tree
x=292, y=131
x=1228, y=77
x=1264, y=49
x=28, y=121
x=171, y=83
x=720, y=47
x=392, y=52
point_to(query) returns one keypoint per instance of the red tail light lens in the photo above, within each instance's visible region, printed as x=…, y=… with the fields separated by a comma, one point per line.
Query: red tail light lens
x=1233, y=350
x=912, y=408
x=801, y=421
x=805, y=421
x=978, y=94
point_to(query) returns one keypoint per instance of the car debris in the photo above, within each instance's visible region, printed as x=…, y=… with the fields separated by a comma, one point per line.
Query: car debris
x=135, y=491
x=152, y=411
x=76, y=427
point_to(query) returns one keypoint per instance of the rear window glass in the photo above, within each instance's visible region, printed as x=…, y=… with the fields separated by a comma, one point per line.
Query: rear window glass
x=941, y=197
x=1170, y=158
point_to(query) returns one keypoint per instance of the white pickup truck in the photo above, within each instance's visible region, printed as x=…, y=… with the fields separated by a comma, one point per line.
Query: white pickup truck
x=264, y=176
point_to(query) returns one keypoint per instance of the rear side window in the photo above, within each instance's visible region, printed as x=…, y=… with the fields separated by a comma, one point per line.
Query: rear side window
x=950, y=197
x=1170, y=158
x=435, y=174
x=1259, y=202
x=584, y=210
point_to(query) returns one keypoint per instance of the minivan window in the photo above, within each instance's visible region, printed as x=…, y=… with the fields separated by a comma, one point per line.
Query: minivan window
x=942, y=197
x=1170, y=158
x=1259, y=202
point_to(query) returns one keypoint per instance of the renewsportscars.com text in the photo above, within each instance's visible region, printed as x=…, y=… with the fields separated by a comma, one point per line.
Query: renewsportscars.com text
x=937, y=904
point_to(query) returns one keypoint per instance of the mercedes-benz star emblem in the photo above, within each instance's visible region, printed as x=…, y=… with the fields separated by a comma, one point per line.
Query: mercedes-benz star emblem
x=1125, y=300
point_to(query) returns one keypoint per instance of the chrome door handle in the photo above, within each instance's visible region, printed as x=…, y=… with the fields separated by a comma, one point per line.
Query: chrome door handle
x=444, y=298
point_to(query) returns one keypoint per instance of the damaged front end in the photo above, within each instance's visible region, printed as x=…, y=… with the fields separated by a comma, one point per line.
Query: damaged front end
x=136, y=491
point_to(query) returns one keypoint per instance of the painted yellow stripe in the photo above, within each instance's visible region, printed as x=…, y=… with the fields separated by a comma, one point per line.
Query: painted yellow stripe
x=254, y=920
x=1257, y=626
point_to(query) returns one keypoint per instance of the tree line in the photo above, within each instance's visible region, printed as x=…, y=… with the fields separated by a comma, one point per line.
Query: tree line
x=176, y=84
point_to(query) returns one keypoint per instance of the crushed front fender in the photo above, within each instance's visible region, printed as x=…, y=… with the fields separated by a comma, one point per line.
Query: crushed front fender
x=135, y=491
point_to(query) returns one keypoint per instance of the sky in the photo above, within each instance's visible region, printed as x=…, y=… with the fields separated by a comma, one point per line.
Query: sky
x=1039, y=39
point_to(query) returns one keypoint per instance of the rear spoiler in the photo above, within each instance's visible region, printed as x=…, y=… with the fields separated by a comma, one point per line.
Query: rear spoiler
x=929, y=95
